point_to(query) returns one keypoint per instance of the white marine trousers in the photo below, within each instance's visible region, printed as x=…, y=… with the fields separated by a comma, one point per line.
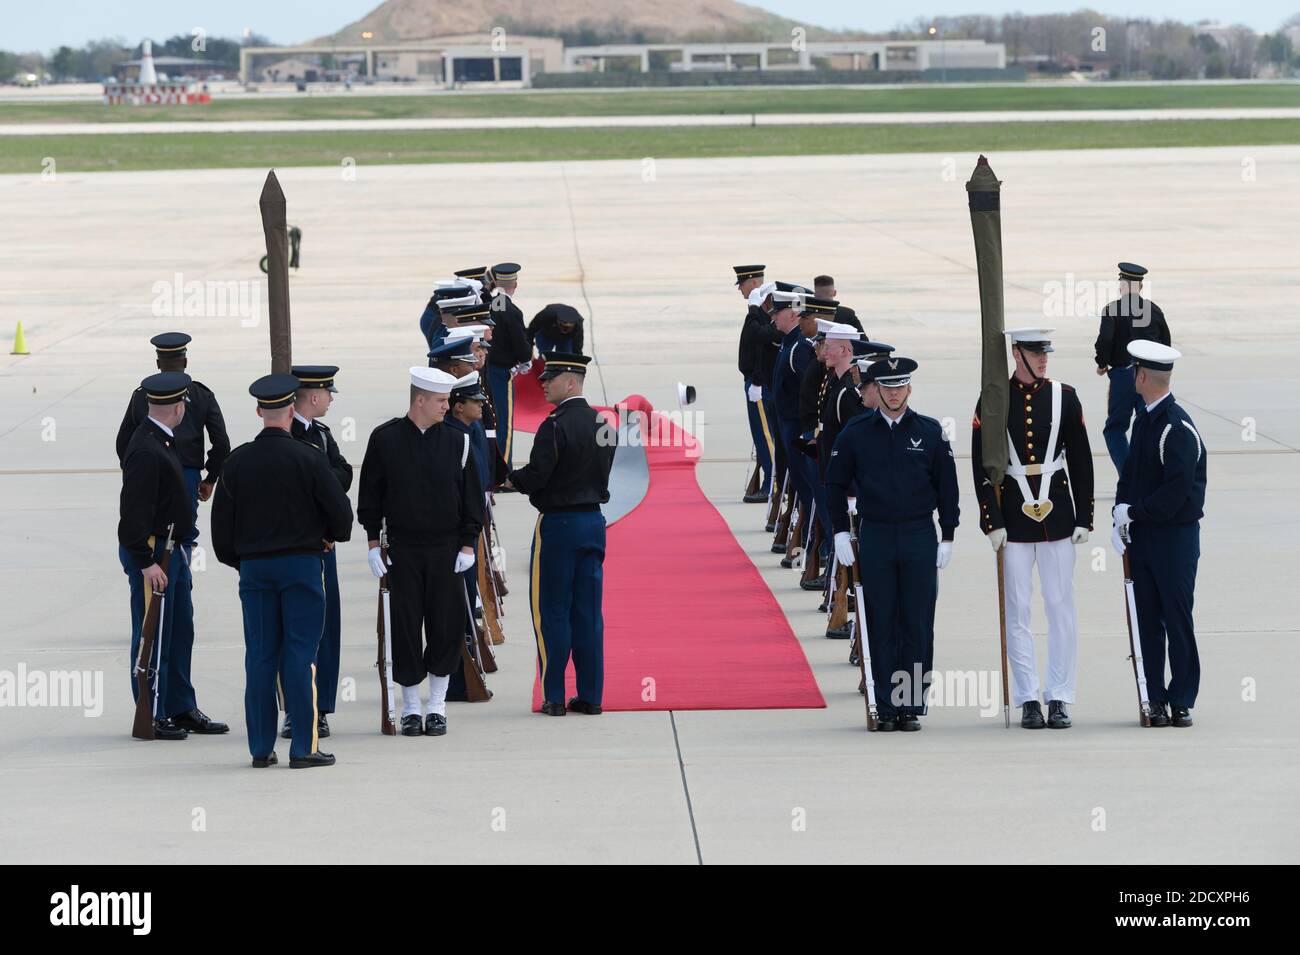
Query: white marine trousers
x=1055, y=560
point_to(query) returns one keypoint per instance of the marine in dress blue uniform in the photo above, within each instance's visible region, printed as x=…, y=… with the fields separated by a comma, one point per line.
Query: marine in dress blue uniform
x=154, y=502
x=1129, y=318
x=276, y=510
x=567, y=479
x=315, y=396
x=1159, y=502
x=202, y=414
x=903, y=471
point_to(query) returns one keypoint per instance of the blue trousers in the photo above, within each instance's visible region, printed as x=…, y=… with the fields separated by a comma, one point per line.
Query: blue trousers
x=1163, y=559
x=778, y=447
x=900, y=585
x=173, y=691
x=327, y=653
x=284, y=613
x=801, y=468
x=760, y=430
x=566, y=582
x=1122, y=401
x=503, y=401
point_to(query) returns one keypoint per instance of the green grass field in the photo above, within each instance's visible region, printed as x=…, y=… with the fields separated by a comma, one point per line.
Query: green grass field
x=26, y=154
x=676, y=102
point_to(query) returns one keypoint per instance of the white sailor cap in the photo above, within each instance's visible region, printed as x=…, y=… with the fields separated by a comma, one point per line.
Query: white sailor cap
x=450, y=303
x=837, y=331
x=1153, y=355
x=432, y=379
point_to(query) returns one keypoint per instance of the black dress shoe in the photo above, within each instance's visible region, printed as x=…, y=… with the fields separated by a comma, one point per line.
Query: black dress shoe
x=166, y=729
x=758, y=497
x=1057, y=718
x=817, y=583
x=786, y=562
x=311, y=760
x=769, y=528
x=286, y=731
x=550, y=708
x=582, y=706
x=1182, y=716
x=261, y=762
x=412, y=725
x=839, y=633
x=322, y=727
x=435, y=724
x=196, y=721
x=1159, y=714
x=908, y=723
x=778, y=548
x=1031, y=716
x=886, y=724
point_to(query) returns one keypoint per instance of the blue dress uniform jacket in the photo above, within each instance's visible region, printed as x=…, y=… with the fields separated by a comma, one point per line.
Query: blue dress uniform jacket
x=567, y=479
x=796, y=352
x=1163, y=483
x=903, y=474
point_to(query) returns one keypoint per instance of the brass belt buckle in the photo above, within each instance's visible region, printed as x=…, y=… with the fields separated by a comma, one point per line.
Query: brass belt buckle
x=1033, y=470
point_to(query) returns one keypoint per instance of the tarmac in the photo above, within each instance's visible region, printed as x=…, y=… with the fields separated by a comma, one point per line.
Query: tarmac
x=644, y=249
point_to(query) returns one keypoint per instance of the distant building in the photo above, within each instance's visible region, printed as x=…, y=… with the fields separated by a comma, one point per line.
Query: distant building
x=172, y=67
x=867, y=55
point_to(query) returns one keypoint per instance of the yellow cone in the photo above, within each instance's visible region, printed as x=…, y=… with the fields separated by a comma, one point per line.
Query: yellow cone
x=20, y=342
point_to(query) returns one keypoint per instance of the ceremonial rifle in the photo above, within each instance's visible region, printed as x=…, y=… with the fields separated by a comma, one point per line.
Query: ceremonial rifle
x=1135, y=643
x=146, y=701
x=812, y=562
x=774, y=494
x=494, y=548
x=384, y=624
x=487, y=594
x=754, y=479
x=794, y=541
x=839, y=609
x=864, y=651
x=476, y=689
x=784, y=503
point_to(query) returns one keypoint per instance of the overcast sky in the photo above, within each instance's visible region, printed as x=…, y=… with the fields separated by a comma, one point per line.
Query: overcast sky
x=43, y=26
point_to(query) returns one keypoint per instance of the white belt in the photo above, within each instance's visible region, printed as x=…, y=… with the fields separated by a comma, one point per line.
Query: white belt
x=1037, y=507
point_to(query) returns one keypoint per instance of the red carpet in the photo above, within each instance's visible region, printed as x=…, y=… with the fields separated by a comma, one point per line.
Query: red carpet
x=684, y=606
x=530, y=406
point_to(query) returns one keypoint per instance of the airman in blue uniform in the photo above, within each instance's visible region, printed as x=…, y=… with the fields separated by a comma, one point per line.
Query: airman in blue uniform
x=903, y=470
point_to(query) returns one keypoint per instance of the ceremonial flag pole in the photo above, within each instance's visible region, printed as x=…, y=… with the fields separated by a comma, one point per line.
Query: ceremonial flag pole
x=984, y=196
x=275, y=228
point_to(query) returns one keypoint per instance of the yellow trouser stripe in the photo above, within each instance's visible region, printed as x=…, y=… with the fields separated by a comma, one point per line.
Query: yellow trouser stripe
x=535, y=593
x=510, y=415
x=767, y=432
x=315, y=714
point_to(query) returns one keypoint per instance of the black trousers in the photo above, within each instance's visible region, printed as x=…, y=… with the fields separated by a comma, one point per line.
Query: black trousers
x=428, y=609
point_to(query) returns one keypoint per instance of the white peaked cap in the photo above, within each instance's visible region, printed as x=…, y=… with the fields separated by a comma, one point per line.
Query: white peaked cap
x=432, y=379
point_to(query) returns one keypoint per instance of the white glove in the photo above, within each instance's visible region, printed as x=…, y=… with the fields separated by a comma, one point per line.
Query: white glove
x=763, y=291
x=376, y=559
x=944, y=555
x=1120, y=515
x=1116, y=541
x=1080, y=536
x=464, y=562
x=755, y=392
x=996, y=537
x=522, y=368
x=844, y=549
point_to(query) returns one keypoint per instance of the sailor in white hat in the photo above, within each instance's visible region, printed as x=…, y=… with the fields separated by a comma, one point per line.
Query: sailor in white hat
x=1042, y=509
x=413, y=463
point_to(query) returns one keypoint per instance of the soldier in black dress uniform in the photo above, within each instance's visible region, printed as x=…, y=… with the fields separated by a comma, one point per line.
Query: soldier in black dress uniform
x=276, y=511
x=824, y=288
x=557, y=327
x=1127, y=319
x=1041, y=512
x=315, y=396
x=756, y=325
x=567, y=479
x=154, y=501
x=419, y=479
x=510, y=349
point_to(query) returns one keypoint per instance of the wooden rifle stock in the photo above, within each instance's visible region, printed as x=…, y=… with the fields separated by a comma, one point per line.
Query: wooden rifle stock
x=471, y=663
x=487, y=593
x=812, y=562
x=142, y=728
x=840, y=603
x=755, y=480
x=794, y=540
x=774, y=495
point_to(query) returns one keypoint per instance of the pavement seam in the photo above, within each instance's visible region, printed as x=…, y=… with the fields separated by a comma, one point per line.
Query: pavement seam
x=690, y=810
